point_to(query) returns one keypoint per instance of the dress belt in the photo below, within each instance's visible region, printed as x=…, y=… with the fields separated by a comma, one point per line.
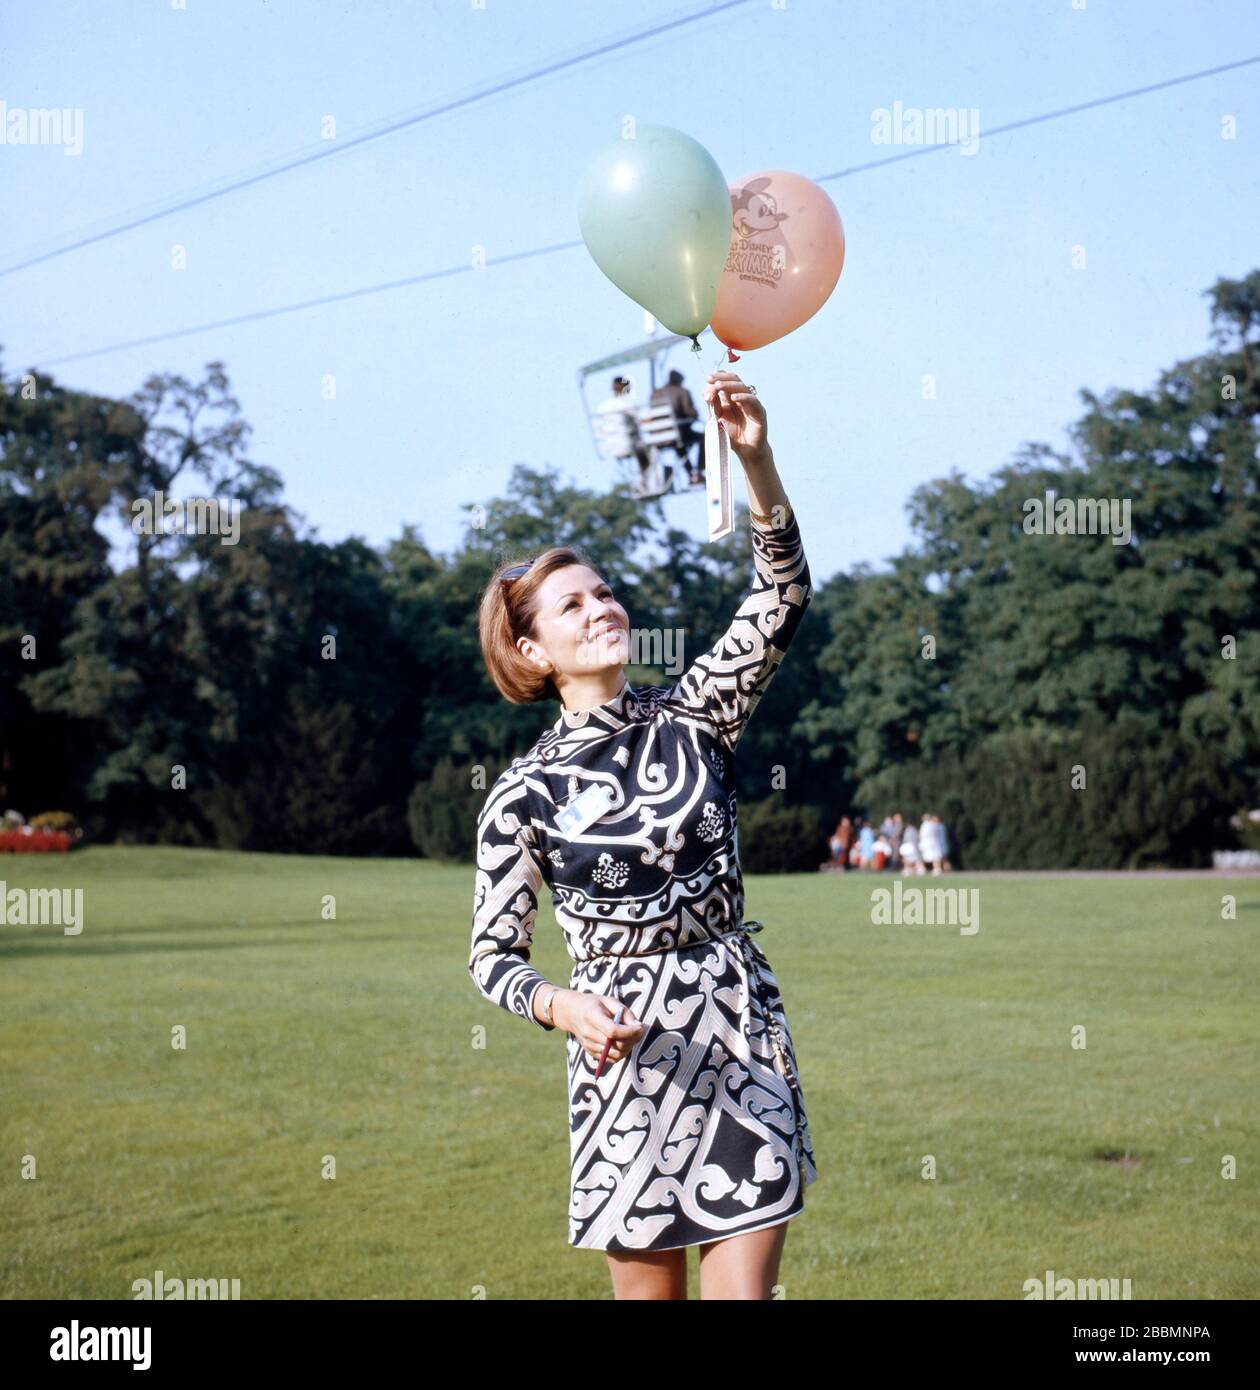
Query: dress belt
x=753, y=965
x=741, y=931
x=749, y=926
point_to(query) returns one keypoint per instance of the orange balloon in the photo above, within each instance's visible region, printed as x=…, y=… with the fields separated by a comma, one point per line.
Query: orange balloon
x=786, y=254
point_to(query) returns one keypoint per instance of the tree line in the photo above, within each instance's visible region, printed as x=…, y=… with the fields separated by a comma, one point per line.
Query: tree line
x=1063, y=696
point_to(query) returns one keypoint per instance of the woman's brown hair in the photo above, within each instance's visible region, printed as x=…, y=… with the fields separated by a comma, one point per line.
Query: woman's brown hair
x=508, y=611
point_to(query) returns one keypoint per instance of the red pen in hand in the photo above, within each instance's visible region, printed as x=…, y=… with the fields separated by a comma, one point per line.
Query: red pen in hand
x=603, y=1056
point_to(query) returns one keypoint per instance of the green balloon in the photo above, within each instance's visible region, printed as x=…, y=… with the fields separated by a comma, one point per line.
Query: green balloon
x=655, y=213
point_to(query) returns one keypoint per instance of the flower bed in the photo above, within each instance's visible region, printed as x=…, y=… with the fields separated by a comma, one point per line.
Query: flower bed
x=28, y=841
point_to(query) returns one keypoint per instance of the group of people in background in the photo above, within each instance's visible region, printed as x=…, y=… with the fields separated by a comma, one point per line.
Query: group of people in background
x=857, y=843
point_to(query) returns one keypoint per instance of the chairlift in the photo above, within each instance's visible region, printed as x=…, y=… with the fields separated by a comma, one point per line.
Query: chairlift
x=642, y=456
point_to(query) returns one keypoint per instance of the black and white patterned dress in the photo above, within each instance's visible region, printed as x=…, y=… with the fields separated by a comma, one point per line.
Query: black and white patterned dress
x=700, y=1132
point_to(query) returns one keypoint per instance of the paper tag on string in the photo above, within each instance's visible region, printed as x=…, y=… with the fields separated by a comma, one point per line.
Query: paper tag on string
x=717, y=477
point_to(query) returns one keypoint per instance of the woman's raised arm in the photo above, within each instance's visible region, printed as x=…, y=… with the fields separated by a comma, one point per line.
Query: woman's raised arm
x=726, y=682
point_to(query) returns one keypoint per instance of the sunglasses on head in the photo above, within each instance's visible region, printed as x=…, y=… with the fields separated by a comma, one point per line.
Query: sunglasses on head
x=510, y=576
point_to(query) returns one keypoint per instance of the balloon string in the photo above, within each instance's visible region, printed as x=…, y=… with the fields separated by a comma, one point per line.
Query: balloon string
x=726, y=355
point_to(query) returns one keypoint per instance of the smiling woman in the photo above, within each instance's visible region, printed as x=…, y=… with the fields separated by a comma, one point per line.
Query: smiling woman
x=695, y=1131
x=557, y=604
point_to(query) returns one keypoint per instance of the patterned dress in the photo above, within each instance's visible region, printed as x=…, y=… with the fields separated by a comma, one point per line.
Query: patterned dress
x=700, y=1131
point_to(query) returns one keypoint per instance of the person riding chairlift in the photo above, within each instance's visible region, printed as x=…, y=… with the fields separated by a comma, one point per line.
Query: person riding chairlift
x=617, y=426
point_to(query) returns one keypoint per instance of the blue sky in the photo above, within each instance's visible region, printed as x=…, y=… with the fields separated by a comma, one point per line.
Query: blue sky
x=957, y=267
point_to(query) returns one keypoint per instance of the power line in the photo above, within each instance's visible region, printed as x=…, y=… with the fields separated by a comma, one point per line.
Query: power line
x=308, y=304
x=1048, y=116
x=392, y=127
x=571, y=245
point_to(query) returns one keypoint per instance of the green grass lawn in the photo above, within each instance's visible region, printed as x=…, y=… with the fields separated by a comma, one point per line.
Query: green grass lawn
x=354, y=1038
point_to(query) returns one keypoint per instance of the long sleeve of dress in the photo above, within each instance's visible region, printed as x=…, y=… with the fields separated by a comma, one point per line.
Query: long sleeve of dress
x=505, y=902
x=726, y=682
